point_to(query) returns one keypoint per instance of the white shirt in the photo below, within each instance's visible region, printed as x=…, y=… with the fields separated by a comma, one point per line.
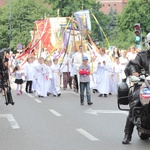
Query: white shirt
x=29, y=71
x=18, y=74
x=131, y=55
x=78, y=59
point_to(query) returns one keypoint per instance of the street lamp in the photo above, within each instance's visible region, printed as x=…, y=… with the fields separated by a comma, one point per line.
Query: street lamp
x=10, y=23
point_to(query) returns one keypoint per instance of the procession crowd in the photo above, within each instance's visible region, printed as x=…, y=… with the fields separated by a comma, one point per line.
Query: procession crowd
x=45, y=78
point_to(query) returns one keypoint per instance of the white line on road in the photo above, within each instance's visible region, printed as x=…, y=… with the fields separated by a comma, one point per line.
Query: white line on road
x=55, y=113
x=69, y=92
x=11, y=120
x=96, y=112
x=38, y=101
x=30, y=95
x=87, y=135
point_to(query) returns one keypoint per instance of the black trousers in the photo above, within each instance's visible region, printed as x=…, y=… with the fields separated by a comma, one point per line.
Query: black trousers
x=76, y=86
x=28, y=86
x=135, y=101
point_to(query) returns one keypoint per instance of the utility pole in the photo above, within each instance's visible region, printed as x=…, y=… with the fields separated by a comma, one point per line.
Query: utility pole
x=10, y=23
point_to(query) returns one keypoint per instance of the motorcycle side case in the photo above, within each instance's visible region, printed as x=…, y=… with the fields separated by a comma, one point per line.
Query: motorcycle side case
x=123, y=93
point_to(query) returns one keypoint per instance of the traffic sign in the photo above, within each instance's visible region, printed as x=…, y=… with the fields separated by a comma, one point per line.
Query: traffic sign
x=19, y=46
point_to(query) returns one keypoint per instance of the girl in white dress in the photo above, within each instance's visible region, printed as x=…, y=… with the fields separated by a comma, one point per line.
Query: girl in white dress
x=18, y=79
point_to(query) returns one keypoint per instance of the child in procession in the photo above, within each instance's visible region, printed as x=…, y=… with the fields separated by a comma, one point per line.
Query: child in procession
x=18, y=79
x=41, y=70
x=84, y=72
x=29, y=75
x=56, y=78
x=49, y=77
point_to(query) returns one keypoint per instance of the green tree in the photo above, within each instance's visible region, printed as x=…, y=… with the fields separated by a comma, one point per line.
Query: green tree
x=24, y=14
x=136, y=11
x=68, y=7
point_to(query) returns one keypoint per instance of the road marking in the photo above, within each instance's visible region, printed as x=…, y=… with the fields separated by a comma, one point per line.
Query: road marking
x=55, y=113
x=96, y=112
x=11, y=120
x=30, y=95
x=69, y=92
x=38, y=101
x=87, y=135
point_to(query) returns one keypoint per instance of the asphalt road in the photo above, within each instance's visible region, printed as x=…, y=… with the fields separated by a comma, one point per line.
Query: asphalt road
x=60, y=123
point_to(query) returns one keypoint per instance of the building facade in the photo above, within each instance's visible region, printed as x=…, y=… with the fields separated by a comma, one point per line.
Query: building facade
x=115, y=5
x=3, y=2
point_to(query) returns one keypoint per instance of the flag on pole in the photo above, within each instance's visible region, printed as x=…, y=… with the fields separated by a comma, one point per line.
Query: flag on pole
x=83, y=20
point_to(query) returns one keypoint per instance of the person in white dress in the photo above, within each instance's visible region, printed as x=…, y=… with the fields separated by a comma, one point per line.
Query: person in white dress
x=18, y=79
x=56, y=78
x=123, y=62
x=34, y=84
x=41, y=70
x=117, y=74
x=49, y=78
x=132, y=54
x=29, y=75
x=102, y=74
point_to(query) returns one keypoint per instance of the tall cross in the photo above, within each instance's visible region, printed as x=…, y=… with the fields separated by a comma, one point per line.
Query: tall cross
x=82, y=5
x=58, y=11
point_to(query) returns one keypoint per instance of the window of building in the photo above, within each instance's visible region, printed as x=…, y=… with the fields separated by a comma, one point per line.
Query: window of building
x=103, y=5
x=114, y=4
x=109, y=5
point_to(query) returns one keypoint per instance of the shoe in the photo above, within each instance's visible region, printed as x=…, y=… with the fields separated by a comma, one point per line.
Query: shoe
x=105, y=95
x=82, y=104
x=20, y=92
x=100, y=95
x=127, y=138
x=41, y=96
x=31, y=92
x=54, y=95
x=64, y=88
x=90, y=103
x=110, y=94
x=94, y=91
x=59, y=95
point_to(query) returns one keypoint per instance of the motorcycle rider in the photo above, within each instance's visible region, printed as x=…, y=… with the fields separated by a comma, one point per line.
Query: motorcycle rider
x=143, y=60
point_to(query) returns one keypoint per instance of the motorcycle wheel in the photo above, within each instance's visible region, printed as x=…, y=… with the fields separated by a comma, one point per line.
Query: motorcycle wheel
x=143, y=136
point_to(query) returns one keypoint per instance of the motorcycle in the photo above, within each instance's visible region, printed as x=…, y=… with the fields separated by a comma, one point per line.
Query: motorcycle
x=140, y=113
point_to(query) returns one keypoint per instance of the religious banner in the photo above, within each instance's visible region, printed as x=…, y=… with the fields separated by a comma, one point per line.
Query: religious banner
x=44, y=25
x=83, y=20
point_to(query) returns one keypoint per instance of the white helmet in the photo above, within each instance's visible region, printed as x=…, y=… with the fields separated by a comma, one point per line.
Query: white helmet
x=147, y=41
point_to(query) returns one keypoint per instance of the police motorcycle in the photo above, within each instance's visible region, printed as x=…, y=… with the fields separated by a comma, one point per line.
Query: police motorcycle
x=140, y=113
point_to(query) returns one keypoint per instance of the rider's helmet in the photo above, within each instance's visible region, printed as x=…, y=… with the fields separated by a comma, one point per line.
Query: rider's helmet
x=147, y=41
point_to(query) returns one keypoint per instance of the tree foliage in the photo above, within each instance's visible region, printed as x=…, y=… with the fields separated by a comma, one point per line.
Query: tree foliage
x=136, y=11
x=24, y=14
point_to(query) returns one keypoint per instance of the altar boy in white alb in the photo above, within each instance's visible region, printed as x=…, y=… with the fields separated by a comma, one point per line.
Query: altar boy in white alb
x=29, y=75
x=42, y=72
x=55, y=78
x=102, y=74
